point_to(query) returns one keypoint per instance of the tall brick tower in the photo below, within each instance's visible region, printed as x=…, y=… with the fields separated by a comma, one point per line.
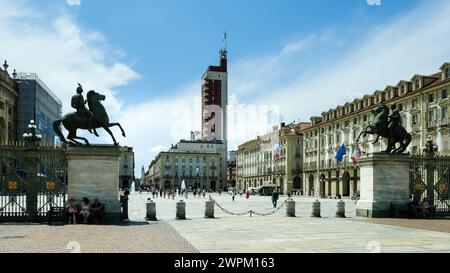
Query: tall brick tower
x=215, y=100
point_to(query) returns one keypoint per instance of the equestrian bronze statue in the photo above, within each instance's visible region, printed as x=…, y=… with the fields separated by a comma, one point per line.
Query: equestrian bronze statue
x=87, y=119
x=389, y=127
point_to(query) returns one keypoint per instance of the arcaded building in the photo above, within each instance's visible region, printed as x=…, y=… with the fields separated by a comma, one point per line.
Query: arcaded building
x=423, y=102
x=273, y=159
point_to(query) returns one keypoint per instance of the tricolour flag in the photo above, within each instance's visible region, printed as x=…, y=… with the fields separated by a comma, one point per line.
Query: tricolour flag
x=276, y=151
x=340, y=154
x=356, y=153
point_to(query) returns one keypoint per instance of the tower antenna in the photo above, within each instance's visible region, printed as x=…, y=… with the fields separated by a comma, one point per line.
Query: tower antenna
x=224, y=40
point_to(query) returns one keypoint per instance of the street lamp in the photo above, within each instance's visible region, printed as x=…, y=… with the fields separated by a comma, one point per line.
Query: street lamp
x=32, y=138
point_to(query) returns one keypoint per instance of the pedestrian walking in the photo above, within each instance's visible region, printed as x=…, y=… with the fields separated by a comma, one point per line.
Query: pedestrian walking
x=247, y=194
x=275, y=196
x=232, y=198
x=124, y=204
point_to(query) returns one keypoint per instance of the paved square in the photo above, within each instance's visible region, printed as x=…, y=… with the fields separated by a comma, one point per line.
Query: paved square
x=229, y=233
x=277, y=233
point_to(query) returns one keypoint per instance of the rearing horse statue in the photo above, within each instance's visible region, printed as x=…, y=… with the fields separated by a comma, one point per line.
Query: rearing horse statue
x=74, y=121
x=380, y=126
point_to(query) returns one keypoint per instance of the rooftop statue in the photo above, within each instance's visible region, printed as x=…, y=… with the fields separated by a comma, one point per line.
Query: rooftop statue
x=87, y=119
x=388, y=126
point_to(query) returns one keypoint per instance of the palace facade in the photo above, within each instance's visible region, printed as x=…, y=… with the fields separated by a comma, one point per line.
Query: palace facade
x=423, y=102
x=199, y=163
x=8, y=105
x=272, y=159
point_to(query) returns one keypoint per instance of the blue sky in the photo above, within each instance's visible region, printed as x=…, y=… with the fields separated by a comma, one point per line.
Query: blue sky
x=165, y=38
x=297, y=58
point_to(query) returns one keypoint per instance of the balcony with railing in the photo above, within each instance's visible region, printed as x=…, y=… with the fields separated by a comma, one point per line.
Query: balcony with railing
x=309, y=166
x=431, y=124
x=444, y=122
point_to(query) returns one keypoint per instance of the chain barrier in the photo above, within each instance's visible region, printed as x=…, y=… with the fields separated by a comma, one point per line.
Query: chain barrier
x=250, y=211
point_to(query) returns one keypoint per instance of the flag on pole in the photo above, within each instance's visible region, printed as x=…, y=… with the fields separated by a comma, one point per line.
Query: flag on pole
x=276, y=151
x=356, y=153
x=340, y=154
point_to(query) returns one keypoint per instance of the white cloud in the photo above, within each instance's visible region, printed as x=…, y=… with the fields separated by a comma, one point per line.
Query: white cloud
x=154, y=125
x=304, y=78
x=61, y=53
x=73, y=2
x=390, y=52
x=158, y=148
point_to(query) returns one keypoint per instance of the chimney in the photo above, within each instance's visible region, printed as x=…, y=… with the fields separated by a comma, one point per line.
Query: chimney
x=192, y=136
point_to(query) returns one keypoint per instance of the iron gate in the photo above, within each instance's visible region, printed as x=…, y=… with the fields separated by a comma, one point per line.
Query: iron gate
x=32, y=179
x=430, y=178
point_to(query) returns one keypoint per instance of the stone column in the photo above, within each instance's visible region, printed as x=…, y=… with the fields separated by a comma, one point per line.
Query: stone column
x=384, y=179
x=32, y=183
x=93, y=172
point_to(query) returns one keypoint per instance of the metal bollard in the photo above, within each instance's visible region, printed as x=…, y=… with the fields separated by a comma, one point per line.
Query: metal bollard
x=181, y=210
x=151, y=211
x=290, y=208
x=315, y=211
x=209, y=209
x=340, y=209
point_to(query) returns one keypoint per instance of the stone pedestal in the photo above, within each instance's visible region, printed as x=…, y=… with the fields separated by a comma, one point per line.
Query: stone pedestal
x=290, y=208
x=181, y=210
x=315, y=208
x=151, y=211
x=209, y=209
x=93, y=172
x=384, y=179
x=340, y=209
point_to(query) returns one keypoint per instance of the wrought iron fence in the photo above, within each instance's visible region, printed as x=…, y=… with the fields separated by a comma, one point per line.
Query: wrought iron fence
x=32, y=179
x=430, y=179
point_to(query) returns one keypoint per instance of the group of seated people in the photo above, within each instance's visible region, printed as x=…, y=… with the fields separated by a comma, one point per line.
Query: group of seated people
x=85, y=213
x=422, y=206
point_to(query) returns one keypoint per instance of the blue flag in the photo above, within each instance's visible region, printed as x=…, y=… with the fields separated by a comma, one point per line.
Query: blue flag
x=340, y=154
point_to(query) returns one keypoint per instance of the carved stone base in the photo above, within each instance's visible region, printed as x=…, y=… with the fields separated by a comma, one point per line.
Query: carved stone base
x=93, y=172
x=384, y=180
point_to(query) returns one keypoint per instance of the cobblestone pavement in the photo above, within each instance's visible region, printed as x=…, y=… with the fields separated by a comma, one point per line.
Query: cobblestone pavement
x=228, y=233
x=277, y=233
x=442, y=225
x=135, y=238
x=195, y=207
x=298, y=235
